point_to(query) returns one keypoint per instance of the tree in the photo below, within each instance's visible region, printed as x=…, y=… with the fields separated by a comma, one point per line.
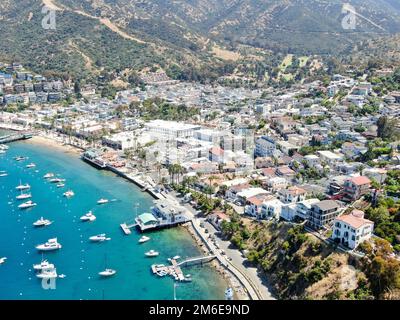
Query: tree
x=387, y=128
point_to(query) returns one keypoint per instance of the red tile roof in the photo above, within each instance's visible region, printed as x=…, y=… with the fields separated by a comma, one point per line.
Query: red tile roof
x=354, y=221
x=359, y=181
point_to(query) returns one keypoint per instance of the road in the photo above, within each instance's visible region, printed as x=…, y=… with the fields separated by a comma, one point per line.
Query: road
x=233, y=260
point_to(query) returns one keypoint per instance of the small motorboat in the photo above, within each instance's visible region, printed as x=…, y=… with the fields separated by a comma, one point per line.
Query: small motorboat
x=69, y=194
x=99, y=238
x=27, y=205
x=62, y=276
x=24, y=196
x=103, y=201
x=60, y=185
x=176, y=257
x=31, y=165
x=44, y=265
x=21, y=158
x=107, y=273
x=23, y=187
x=144, y=239
x=50, y=245
x=56, y=180
x=3, y=174
x=88, y=217
x=2, y=260
x=152, y=253
x=42, y=222
x=48, y=175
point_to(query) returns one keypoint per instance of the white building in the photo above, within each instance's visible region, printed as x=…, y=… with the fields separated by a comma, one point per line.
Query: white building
x=171, y=129
x=299, y=209
x=271, y=209
x=121, y=141
x=352, y=229
x=277, y=183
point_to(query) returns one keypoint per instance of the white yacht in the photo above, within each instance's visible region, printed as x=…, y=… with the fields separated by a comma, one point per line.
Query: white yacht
x=50, y=245
x=88, y=217
x=26, y=205
x=56, y=180
x=47, y=274
x=2, y=260
x=107, y=273
x=42, y=223
x=31, y=165
x=3, y=174
x=99, y=238
x=24, y=196
x=103, y=201
x=144, y=239
x=43, y=265
x=22, y=187
x=48, y=175
x=152, y=253
x=69, y=194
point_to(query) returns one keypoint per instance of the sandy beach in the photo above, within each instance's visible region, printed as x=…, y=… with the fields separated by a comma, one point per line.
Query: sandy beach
x=52, y=143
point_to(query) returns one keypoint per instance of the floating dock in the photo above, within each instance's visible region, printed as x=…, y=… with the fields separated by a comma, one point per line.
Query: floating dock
x=15, y=137
x=127, y=228
x=175, y=269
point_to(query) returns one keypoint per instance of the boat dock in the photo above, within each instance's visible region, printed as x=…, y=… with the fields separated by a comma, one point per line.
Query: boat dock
x=15, y=137
x=175, y=269
x=127, y=228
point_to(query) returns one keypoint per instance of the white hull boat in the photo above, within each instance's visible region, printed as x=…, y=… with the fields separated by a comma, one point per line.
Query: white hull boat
x=88, y=217
x=47, y=274
x=31, y=165
x=2, y=260
x=152, y=253
x=50, y=245
x=103, y=201
x=144, y=239
x=24, y=196
x=27, y=205
x=69, y=194
x=107, y=273
x=44, y=265
x=42, y=223
x=48, y=175
x=99, y=238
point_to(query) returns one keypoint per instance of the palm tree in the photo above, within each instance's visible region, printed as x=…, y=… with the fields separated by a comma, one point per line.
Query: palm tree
x=360, y=169
x=210, y=180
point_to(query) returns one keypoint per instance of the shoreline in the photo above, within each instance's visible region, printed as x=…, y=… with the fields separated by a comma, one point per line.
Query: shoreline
x=240, y=293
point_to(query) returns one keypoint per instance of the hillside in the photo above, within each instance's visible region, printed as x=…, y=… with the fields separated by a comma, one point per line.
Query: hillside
x=191, y=40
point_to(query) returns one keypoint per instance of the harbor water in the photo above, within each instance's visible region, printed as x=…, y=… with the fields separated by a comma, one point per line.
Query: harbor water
x=79, y=259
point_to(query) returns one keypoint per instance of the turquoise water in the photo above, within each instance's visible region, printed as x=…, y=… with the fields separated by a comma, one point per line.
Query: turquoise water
x=79, y=259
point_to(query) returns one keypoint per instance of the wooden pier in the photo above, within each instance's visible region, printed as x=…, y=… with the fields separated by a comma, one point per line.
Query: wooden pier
x=15, y=137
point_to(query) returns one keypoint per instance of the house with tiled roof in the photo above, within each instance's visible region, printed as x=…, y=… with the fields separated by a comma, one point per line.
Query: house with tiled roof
x=356, y=187
x=352, y=229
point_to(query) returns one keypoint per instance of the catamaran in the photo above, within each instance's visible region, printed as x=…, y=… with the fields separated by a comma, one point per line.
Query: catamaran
x=99, y=238
x=88, y=217
x=22, y=186
x=103, y=201
x=26, y=205
x=42, y=222
x=107, y=272
x=24, y=196
x=69, y=194
x=144, y=239
x=31, y=165
x=152, y=253
x=2, y=260
x=50, y=245
x=48, y=175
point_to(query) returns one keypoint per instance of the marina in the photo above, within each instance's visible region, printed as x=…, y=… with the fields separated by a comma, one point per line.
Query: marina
x=79, y=258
